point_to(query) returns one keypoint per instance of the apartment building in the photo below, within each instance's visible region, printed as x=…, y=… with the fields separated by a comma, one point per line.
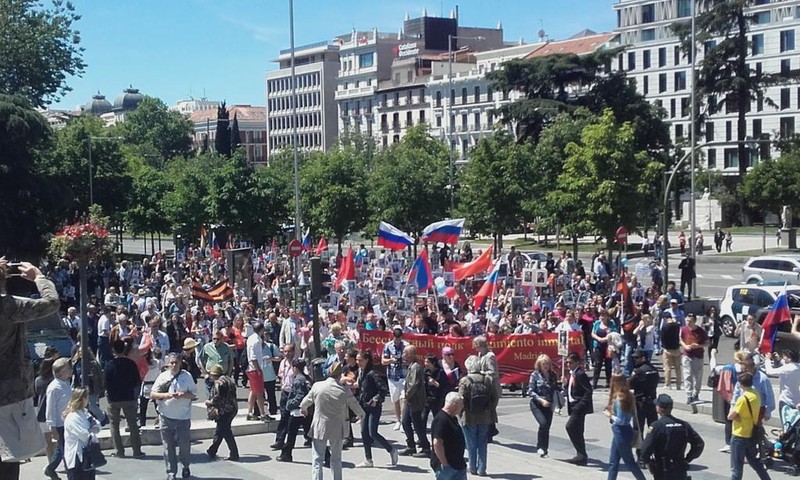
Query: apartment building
x=663, y=73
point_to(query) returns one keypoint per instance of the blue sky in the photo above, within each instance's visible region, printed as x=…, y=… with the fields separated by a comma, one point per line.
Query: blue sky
x=221, y=49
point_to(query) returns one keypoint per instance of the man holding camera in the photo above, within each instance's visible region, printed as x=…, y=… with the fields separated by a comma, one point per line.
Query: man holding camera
x=16, y=378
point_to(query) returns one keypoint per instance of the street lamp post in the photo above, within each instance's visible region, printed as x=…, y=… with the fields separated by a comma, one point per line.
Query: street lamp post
x=450, y=119
x=751, y=142
x=89, y=141
x=294, y=137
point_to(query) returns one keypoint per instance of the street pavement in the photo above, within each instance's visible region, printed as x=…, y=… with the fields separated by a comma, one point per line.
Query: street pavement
x=511, y=457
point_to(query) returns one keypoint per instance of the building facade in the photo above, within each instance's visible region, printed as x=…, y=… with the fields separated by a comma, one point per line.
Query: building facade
x=252, y=130
x=316, y=69
x=663, y=73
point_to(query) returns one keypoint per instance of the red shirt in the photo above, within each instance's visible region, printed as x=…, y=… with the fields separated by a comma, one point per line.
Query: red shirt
x=697, y=335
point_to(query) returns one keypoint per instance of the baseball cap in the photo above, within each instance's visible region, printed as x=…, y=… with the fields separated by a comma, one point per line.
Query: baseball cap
x=397, y=328
x=673, y=300
x=663, y=401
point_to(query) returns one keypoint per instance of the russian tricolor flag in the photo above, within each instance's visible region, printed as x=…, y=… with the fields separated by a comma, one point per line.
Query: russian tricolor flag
x=420, y=273
x=446, y=231
x=307, y=240
x=489, y=286
x=778, y=314
x=392, y=238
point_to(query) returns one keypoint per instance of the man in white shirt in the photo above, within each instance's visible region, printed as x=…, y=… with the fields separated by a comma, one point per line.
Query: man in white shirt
x=73, y=322
x=789, y=374
x=57, y=398
x=255, y=377
x=174, y=390
x=103, y=337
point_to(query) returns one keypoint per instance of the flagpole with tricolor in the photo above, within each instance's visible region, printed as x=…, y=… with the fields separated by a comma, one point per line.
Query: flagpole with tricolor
x=489, y=287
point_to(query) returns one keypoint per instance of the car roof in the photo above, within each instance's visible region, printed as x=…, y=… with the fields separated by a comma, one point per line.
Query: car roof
x=782, y=256
x=771, y=287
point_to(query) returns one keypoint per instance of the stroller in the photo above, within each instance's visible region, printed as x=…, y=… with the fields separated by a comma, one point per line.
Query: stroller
x=787, y=446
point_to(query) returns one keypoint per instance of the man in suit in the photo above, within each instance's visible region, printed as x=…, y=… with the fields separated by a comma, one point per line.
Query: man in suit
x=579, y=404
x=329, y=425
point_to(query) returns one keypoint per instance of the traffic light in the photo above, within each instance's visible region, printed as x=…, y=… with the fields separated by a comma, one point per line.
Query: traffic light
x=320, y=280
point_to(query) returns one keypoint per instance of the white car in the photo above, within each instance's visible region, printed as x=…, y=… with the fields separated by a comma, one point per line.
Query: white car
x=772, y=268
x=741, y=300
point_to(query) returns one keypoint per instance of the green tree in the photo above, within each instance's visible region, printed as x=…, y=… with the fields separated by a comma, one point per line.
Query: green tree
x=222, y=142
x=606, y=181
x=724, y=78
x=774, y=183
x=184, y=203
x=155, y=132
x=39, y=49
x=236, y=138
x=149, y=185
x=408, y=182
x=545, y=84
x=334, y=192
x=32, y=200
x=495, y=184
x=69, y=162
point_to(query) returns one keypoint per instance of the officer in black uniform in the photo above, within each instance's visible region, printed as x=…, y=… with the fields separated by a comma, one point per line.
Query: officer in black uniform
x=644, y=382
x=664, y=449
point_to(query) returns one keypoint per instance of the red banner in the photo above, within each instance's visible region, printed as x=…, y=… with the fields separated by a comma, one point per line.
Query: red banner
x=516, y=354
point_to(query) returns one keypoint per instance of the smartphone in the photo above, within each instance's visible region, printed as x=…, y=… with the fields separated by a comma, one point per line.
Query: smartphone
x=13, y=270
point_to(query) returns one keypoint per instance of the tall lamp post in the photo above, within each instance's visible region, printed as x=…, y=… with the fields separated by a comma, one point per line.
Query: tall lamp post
x=89, y=140
x=294, y=138
x=450, y=119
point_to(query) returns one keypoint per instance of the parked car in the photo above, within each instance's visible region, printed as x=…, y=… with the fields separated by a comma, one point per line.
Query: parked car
x=756, y=299
x=772, y=268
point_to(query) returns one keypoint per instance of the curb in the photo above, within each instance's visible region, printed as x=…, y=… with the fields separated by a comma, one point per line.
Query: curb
x=200, y=430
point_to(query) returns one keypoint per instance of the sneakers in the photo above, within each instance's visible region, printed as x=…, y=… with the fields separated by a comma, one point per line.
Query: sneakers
x=186, y=473
x=253, y=418
x=725, y=449
x=395, y=457
x=558, y=411
x=541, y=453
x=397, y=426
x=276, y=446
x=284, y=458
x=407, y=452
x=367, y=463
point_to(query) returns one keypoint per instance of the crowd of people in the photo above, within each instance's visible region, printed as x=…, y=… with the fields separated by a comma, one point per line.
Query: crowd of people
x=152, y=341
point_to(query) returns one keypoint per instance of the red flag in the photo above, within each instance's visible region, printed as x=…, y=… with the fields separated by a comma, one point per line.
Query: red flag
x=322, y=246
x=622, y=288
x=479, y=265
x=348, y=269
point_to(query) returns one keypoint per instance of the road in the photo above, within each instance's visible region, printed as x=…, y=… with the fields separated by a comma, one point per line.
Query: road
x=511, y=457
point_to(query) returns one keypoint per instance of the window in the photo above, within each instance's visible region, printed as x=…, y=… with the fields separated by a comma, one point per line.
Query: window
x=787, y=40
x=464, y=147
x=787, y=127
x=662, y=57
x=678, y=131
x=731, y=158
x=758, y=44
x=676, y=55
x=409, y=76
x=439, y=98
x=686, y=106
x=728, y=131
x=489, y=119
x=709, y=132
x=662, y=82
x=438, y=121
x=708, y=46
x=489, y=94
x=680, y=81
x=671, y=108
x=645, y=84
x=712, y=158
x=452, y=96
x=421, y=95
x=649, y=13
x=409, y=119
x=648, y=34
x=464, y=121
x=619, y=62
x=684, y=8
x=464, y=95
x=477, y=94
x=786, y=65
x=477, y=120
x=785, y=98
x=365, y=60
x=761, y=18
x=646, y=59
x=422, y=116
x=631, y=61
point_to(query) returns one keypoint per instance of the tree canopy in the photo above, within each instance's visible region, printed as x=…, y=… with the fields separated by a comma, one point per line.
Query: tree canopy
x=39, y=49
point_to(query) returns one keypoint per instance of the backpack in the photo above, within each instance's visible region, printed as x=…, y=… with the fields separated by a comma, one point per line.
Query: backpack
x=478, y=397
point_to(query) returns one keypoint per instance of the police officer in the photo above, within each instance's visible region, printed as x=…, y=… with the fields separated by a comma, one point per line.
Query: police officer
x=664, y=449
x=644, y=382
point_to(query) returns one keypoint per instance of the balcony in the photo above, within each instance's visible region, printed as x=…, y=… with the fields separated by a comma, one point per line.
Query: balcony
x=355, y=92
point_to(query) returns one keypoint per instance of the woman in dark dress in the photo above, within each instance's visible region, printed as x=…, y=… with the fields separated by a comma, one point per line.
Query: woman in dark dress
x=435, y=385
x=713, y=329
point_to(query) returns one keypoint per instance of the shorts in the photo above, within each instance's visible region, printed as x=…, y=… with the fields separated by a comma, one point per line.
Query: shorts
x=397, y=389
x=256, y=381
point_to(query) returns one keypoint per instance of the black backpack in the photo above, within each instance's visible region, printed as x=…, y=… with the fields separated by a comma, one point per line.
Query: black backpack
x=479, y=397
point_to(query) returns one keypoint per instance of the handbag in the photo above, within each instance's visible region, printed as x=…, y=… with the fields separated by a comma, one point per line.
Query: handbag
x=713, y=380
x=213, y=413
x=92, y=455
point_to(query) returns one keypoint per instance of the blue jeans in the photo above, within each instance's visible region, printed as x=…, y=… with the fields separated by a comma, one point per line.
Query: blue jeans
x=449, y=473
x=477, y=437
x=58, y=453
x=629, y=363
x=175, y=437
x=103, y=351
x=621, y=448
x=369, y=430
x=742, y=448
